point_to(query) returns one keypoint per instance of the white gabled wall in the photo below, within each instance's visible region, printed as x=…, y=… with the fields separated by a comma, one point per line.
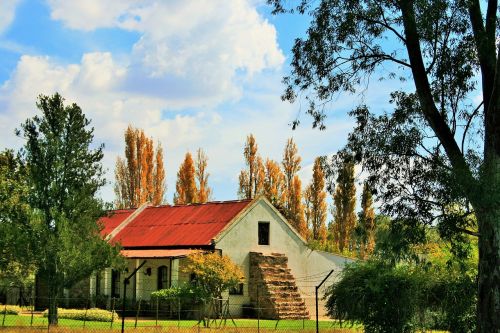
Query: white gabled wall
x=307, y=266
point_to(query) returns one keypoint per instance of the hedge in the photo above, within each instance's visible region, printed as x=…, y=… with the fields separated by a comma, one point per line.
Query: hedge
x=81, y=314
x=10, y=309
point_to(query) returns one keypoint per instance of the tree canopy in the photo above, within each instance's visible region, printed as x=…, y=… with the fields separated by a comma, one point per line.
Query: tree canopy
x=140, y=177
x=439, y=147
x=65, y=174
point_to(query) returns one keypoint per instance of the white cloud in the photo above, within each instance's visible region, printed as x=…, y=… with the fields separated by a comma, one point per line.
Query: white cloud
x=95, y=85
x=7, y=13
x=195, y=53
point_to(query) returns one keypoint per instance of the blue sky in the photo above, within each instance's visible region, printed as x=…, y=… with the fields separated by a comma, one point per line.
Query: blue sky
x=190, y=73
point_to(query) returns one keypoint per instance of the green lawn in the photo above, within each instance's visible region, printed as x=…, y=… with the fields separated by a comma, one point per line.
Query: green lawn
x=25, y=320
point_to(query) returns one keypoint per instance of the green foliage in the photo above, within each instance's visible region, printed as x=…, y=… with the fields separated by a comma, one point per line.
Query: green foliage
x=64, y=175
x=15, y=234
x=90, y=314
x=187, y=293
x=214, y=273
x=10, y=309
x=403, y=298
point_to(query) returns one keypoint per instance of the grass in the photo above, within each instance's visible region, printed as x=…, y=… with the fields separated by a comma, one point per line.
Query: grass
x=251, y=325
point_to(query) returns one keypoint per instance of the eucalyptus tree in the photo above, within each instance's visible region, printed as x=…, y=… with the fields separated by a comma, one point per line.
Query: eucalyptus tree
x=440, y=146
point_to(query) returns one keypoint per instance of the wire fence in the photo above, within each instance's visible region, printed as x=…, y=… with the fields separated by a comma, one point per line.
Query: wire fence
x=28, y=313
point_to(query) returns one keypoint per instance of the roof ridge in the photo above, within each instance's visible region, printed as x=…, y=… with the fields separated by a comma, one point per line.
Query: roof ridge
x=204, y=203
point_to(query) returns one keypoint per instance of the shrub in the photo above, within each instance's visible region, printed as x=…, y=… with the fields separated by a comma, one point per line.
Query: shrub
x=379, y=296
x=10, y=309
x=387, y=298
x=81, y=314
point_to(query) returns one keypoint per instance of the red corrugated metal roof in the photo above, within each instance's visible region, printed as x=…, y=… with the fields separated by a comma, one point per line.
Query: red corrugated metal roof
x=183, y=225
x=113, y=219
x=155, y=253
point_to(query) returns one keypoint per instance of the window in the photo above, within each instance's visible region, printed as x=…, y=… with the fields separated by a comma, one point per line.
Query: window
x=162, y=277
x=115, y=283
x=238, y=290
x=263, y=233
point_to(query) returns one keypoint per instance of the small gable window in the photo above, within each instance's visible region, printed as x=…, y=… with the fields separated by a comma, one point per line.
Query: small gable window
x=162, y=277
x=263, y=233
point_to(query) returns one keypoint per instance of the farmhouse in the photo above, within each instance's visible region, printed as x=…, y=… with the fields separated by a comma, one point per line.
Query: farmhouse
x=280, y=270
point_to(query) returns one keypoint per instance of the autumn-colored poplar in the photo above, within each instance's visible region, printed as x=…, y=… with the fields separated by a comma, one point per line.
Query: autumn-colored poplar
x=367, y=223
x=158, y=178
x=203, y=190
x=186, y=182
x=251, y=180
x=136, y=177
x=315, y=199
x=291, y=165
x=345, y=202
x=296, y=211
x=274, y=183
x=293, y=207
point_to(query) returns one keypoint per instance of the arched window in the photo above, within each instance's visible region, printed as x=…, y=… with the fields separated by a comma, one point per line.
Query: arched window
x=162, y=277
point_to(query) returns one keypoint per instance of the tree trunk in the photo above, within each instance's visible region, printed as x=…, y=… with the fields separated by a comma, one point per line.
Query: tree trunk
x=488, y=306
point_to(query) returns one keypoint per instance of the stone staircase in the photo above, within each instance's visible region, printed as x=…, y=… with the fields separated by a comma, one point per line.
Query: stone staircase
x=272, y=288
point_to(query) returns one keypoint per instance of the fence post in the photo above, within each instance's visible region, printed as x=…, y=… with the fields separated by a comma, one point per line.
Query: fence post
x=157, y=301
x=317, y=288
x=137, y=313
x=112, y=311
x=179, y=312
x=86, y=310
x=32, y=310
x=4, y=314
x=258, y=309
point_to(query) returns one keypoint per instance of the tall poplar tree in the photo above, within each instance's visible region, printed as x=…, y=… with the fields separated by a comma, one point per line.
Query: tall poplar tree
x=140, y=177
x=251, y=179
x=291, y=165
x=315, y=199
x=158, y=177
x=344, y=201
x=203, y=190
x=296, y=210
x=185, y=187
x=274, y=183
x=366, y=223
x=64, y=176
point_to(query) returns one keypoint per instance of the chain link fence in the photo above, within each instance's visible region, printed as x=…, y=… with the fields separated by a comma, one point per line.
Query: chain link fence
x=23, y=311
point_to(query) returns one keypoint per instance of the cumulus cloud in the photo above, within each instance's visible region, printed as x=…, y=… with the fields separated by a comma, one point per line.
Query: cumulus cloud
x=95, y=84
x=7, y=13
x=195, y=53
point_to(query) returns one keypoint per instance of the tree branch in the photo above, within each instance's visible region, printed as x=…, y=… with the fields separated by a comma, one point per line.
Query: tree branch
x=469, y=121
x=432, y=115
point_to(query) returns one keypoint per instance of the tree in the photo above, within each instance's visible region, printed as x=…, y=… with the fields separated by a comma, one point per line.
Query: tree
x=214, y=273
x=344, y=201
x=158, y=177
x=16, y=253
x=274, y=182
x=64, y=175
x=293, y=209
x=440, y=146
x=315, y=198
x=204, y=191
x=251, y=180
x=366, y=223
x=295, y=214
x=140, y=177
x=185, y=187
